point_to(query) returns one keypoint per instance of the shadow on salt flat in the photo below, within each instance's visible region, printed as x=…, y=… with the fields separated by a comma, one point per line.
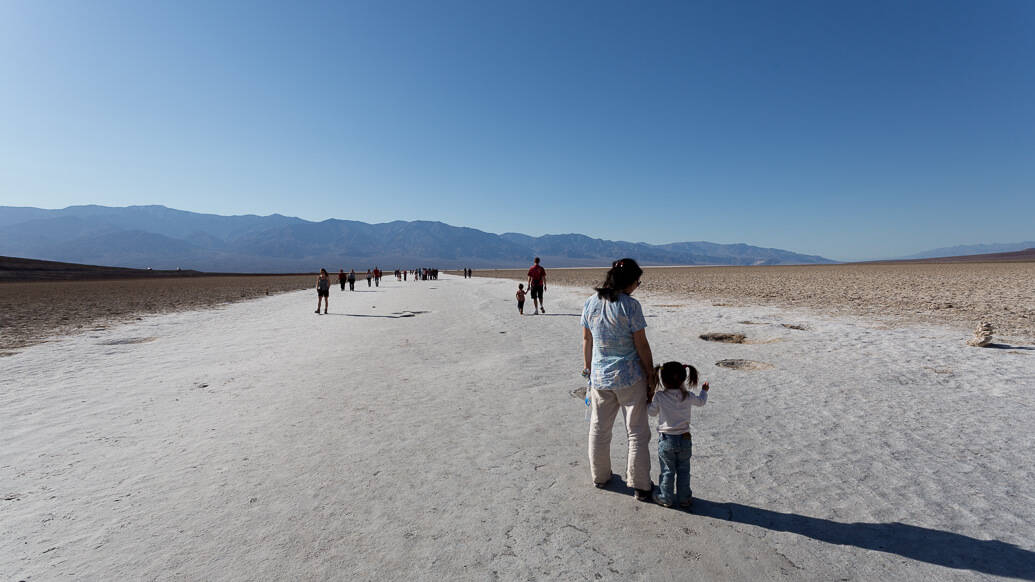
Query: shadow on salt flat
x=1009, y=347
x=394, y=315
x=941, y=548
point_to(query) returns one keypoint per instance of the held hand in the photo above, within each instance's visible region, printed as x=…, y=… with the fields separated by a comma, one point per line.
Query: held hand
x=704, y=386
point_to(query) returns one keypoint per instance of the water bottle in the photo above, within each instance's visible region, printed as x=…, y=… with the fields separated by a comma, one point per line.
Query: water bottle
x=589, y=388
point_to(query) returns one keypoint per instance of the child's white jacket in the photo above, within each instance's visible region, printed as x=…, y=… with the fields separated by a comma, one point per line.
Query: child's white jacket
x=673, y=411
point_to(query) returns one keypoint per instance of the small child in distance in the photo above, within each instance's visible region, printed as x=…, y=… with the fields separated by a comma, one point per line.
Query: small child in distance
x=672, y=406
x=520, y=295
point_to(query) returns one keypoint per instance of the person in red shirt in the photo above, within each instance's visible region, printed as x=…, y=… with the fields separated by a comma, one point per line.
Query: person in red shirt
x=536, y=285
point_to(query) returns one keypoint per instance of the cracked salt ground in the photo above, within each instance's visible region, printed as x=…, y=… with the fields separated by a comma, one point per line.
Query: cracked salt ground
x=439, y=449
x=126, y=341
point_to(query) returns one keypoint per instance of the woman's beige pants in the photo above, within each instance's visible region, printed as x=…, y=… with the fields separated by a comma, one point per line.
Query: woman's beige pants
x=605, y=404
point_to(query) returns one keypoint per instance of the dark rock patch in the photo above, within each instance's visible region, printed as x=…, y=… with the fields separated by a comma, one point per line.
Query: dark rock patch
x=726, y=338
x=743, y=365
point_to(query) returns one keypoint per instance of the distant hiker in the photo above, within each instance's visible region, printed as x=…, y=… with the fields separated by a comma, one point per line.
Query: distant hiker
x=323, y=290
x=520, y=296
x=618, y=362
x=352, y=279
x=536, y=285
x=368, y=277
x=672, y=406
x=341, y=278
x=377, y=276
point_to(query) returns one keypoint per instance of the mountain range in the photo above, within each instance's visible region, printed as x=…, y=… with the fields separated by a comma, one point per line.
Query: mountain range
x=966, y=250
x=165, y=238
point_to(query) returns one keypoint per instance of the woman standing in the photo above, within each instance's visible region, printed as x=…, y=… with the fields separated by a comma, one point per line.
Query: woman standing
x=323, y=290
x=618, y=361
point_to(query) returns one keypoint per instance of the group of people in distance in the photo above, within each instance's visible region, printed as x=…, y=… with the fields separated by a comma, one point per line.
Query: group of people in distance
x=468, y=273
x=323, y=284
x=425, y=274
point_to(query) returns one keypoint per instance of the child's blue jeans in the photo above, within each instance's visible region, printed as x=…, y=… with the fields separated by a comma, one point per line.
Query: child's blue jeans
x=674, y=454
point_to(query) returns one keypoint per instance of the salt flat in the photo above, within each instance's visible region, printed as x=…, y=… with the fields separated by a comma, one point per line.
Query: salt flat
x=424, y=431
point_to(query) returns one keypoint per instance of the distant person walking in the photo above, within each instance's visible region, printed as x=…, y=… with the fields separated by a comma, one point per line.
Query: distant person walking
x=352, y=279
x=536, y=285
x=323, y=290
x=368, y=277
x=618, y=362
x=341, y=278
x=520, y=296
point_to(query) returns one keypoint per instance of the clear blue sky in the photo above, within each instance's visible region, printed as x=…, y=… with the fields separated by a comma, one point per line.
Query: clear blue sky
x=857, y=129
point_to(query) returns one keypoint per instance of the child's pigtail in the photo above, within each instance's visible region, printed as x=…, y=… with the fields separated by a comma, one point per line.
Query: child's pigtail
x=691, y=375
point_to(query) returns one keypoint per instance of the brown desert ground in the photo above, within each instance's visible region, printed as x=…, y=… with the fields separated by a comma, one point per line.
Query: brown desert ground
x=32, y=311
x=958, y=294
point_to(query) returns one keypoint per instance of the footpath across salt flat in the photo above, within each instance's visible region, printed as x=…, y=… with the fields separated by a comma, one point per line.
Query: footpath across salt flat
x=424, y=431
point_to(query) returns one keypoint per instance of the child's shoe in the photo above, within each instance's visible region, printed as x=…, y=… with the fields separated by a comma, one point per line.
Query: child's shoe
x=688, y=503
x=660, y=501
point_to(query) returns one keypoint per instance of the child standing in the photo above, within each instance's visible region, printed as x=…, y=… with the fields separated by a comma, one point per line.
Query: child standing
x=520, y=295
x=672, y=406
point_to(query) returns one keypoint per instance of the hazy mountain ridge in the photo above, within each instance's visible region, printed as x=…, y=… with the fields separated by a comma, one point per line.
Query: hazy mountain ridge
x=979, y=249
x=165, y=238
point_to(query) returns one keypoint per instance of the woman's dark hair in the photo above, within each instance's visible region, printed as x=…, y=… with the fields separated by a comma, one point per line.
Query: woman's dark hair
x=323, y=271
x=673, y=374
x=623, y=273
